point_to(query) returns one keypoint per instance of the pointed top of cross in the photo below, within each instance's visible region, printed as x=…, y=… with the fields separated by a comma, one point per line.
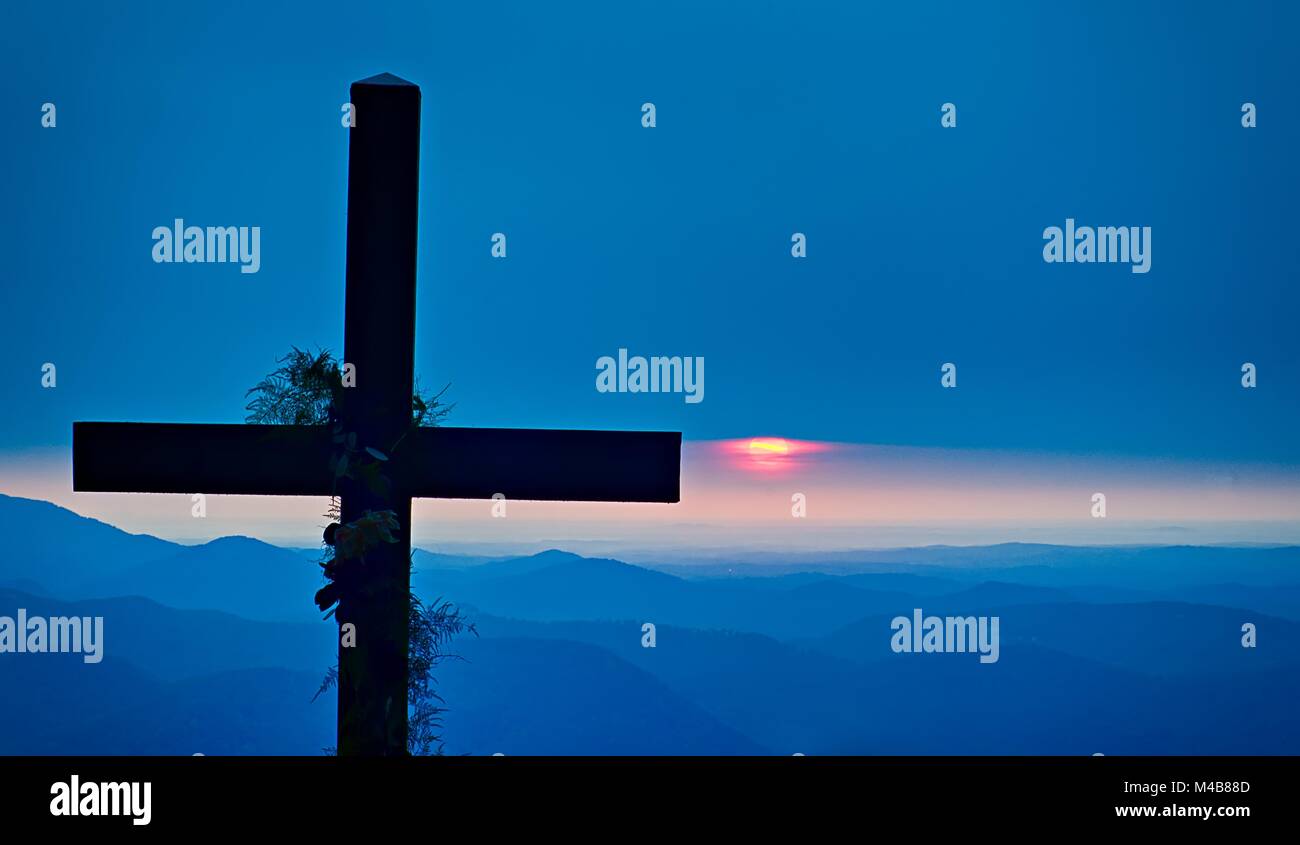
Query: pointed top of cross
x=384, y=79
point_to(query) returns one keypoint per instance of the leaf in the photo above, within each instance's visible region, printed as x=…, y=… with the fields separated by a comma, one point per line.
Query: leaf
x=376, y=454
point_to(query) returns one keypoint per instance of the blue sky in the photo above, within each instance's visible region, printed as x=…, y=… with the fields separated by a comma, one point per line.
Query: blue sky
x=924, y=244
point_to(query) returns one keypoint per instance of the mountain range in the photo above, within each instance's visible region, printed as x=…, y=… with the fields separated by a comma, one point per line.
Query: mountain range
x=217, y=649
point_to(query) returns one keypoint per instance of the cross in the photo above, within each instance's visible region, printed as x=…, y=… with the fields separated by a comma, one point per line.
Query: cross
x=439, y=462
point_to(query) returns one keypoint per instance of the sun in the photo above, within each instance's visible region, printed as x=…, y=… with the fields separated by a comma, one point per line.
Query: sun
x=770, y=454
x=767, y=446
x=765, y=454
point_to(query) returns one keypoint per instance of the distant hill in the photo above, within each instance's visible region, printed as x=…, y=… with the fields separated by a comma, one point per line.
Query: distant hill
x=67, y=707
x=531, y=696
x=217, y=649
x=1154, y=638
x=181, y=681
x=1133, y=567
x=59, y=553
x=1147, y=567
x=1276, y=600
x=56, y=549
x=557, y=586
x=170, y=644
x=238, y=574
x=1035, y=700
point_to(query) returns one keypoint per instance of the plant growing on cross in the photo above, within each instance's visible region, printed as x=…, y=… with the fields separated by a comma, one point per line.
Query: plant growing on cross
x=308, y=389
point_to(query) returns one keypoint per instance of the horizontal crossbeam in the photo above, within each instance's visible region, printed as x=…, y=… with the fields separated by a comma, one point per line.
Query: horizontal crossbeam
x=444, y=463
x=254, y=460
x=542, y=464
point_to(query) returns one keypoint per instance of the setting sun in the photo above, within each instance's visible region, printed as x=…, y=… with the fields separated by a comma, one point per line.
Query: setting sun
x=769, y=453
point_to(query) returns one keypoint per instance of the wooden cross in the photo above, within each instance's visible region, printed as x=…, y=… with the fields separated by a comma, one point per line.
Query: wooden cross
x=455, y=463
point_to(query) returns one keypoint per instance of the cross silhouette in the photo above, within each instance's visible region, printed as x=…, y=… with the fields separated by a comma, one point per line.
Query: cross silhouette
x=456, y=463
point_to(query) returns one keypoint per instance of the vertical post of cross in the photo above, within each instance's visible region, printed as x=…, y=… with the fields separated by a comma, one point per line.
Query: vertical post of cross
x=379, y=341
